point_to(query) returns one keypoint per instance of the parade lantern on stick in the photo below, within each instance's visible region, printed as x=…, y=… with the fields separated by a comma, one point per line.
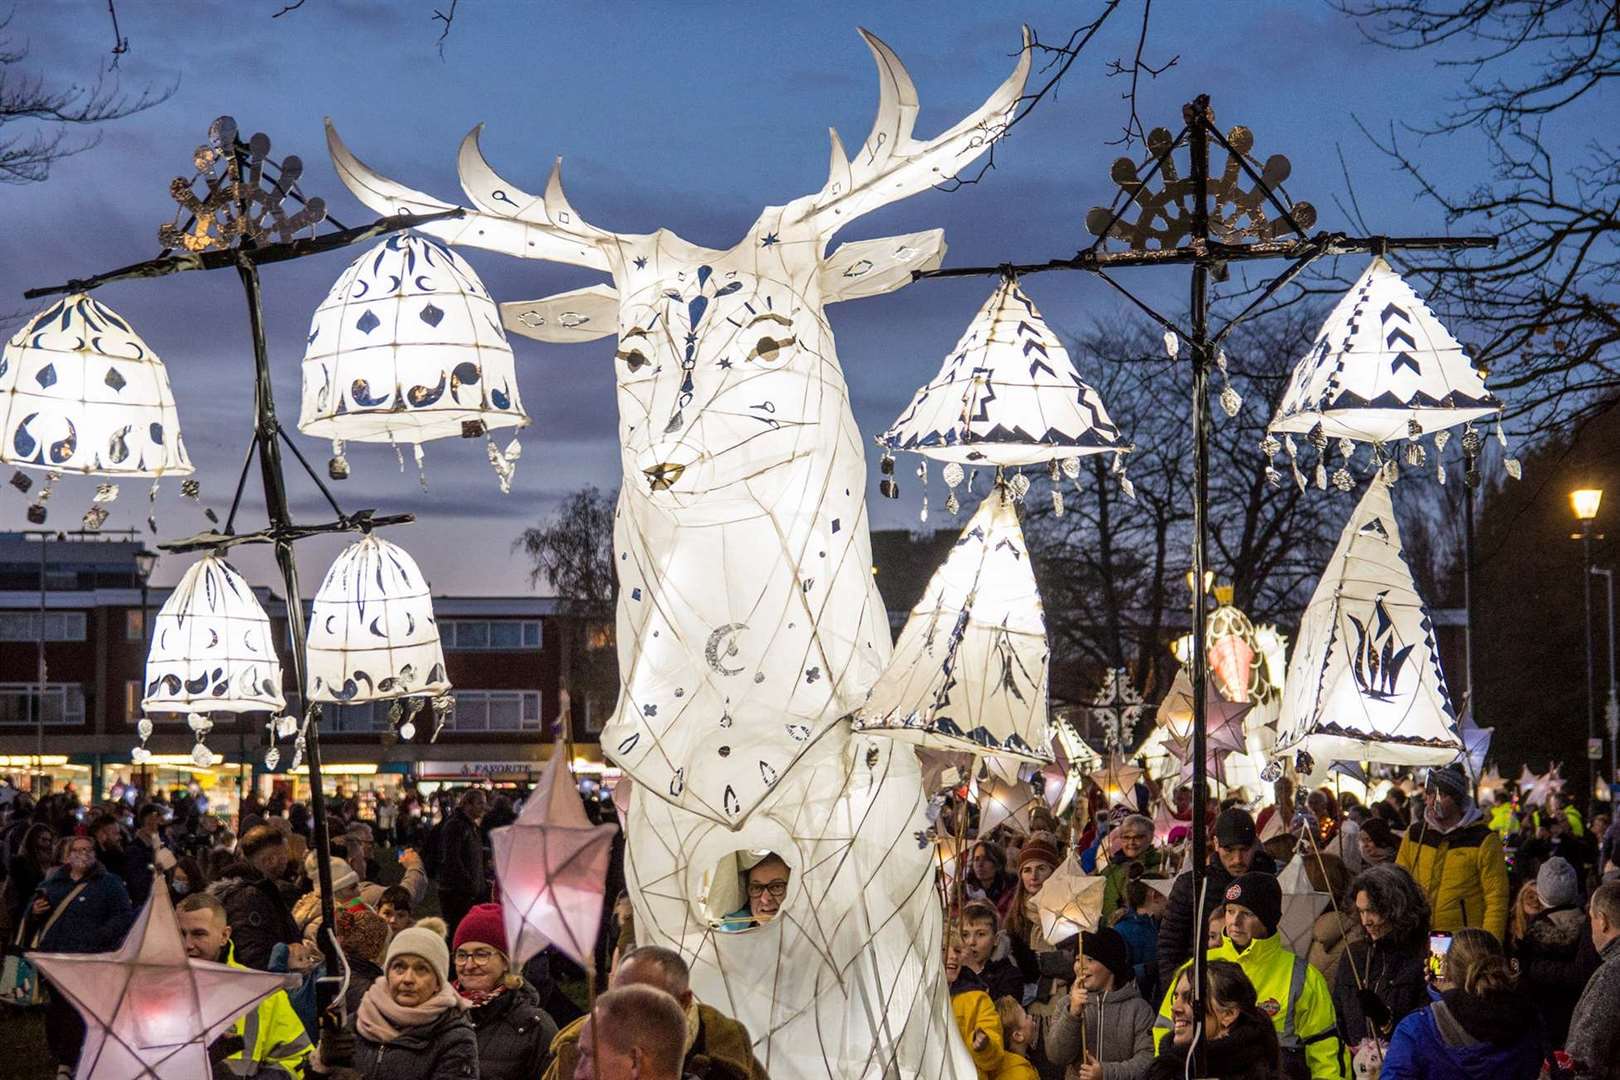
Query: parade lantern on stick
x=1007, y=395
x=1301, y=904
x=1117, y=781
x=552, y=867
x=1382, y=369
x=1365, y=682
x=80, y=392
x=1476, y=744
x=212, y=651
x=149, y=1011
x=373, y=637
x=1069, y=901
x=1005, y=803
x=408, y=347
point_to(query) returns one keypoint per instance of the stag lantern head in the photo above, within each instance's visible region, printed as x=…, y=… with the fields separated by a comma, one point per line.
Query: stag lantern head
x=748, y=619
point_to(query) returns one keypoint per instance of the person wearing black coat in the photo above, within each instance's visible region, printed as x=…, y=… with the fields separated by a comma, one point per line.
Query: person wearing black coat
x=461, y=871
x=257, y=909
x=1239, y=1040
x=514, y=1031
x=1384, y=978
x=1237, y=851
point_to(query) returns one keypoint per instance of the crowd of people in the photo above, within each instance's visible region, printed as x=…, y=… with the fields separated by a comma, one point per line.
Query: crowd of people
x=1458, y=940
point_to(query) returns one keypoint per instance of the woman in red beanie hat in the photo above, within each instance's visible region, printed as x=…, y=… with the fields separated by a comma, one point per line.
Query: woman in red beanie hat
x=514, y=1032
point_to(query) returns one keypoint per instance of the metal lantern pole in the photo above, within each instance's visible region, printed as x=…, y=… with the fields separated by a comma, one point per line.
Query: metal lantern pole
x=1170, y=224
x=1591, y=663
x=1611, y=708
x=242, y=205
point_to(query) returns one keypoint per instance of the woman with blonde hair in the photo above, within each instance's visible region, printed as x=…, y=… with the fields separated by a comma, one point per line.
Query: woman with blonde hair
x=1481, y=1026
x=1526, y=906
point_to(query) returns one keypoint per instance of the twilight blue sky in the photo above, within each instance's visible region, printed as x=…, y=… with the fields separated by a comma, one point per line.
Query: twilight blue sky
x=690, y=116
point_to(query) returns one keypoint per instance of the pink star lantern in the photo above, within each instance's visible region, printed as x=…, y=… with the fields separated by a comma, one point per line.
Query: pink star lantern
x=1117, y=781
x=552, y=865
x=149, y=1011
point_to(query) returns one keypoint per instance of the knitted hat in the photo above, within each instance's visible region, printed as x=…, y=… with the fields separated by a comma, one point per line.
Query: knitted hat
x=1040, y=847
x=361, y=932
x=1451, y=780
x=1234, y=828
x=483, y=924
x=1377, y=830
x=1261, y=893
x=1556, y=883
x=343, y=875
x=1108, y=948
x=424, y=943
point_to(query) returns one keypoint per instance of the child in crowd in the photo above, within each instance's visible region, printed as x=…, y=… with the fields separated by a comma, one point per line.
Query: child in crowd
x=395, y=907
x=1138, y=923
x=980, y=927
x=976, y=1017
x=1017, y=1033
x=1118, y=1024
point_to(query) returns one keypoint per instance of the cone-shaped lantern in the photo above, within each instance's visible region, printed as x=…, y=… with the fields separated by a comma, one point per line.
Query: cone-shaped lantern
x=1365, y=682
x=1006, y=395
x=372, y=634
x=212, y=647
x=408, y=347
x=1382, y=368
x=81, y=392
x=969, y=671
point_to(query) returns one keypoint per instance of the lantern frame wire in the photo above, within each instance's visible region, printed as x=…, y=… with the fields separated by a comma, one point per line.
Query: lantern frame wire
x=1206, y=221
x=248, y=193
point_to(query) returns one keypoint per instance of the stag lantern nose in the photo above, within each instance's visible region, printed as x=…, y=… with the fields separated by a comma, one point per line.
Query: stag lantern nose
x=662, y=476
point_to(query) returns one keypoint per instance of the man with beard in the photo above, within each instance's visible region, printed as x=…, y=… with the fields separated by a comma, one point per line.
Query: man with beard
x=1456, y=858
x=1237, y=851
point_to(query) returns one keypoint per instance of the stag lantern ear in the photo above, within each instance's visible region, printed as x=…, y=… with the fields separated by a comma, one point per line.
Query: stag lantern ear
x=875, y=267
x=564, y=318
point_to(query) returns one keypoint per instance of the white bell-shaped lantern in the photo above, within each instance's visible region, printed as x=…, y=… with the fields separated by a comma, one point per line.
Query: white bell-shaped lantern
x=372, y=635
x=212, y=647
x=408, y=347
x=969, y=671
x=81, y=392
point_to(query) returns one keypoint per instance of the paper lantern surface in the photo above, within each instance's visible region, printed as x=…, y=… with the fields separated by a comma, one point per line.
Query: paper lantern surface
x=1301, y=904
x=1381, y=363
x=969, y=671
x=1005, y=803
x=552, y=865
x=372, y=634
x=149, y=1011
x=212, y=647
x=1069, y=901
x=81, y=392
x=1007, y=394
x=407, y=347
x=1365, y=682
x=1117, y=781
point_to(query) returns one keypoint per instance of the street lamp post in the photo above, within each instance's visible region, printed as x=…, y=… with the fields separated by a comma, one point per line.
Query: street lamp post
x=1585, y=502
x=1611, y=708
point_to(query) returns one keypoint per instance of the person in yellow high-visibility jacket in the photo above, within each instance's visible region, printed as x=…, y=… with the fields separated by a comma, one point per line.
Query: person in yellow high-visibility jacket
x=274, y=1043
x=1289, y=990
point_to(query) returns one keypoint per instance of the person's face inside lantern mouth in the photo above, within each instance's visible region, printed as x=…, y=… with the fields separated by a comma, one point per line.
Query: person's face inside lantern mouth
x=767, y=885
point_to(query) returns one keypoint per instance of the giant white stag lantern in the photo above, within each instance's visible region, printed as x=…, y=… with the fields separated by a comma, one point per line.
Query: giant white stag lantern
x=749, y=625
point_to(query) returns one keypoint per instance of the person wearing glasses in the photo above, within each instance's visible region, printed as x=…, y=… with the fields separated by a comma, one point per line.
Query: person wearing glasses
x=514, y=1032
x=764, y=882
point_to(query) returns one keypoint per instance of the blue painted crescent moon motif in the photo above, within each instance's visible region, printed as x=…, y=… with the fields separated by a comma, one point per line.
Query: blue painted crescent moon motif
x=423, y=396
x=360, y=390
x=62, y=450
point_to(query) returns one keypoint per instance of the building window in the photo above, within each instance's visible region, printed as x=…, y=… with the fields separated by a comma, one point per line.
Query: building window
x=59, y=626
x=489, y=635
x=63, y=704
x=495, y=710
x=134, y=625
x=370, y=716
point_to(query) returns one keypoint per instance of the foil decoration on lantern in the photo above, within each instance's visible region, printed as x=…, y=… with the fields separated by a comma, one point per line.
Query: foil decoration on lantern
x=212, y=651
x=1383, y=368
x=1007, y=395
x=372, y=634
x=409, y=347
x=80, y=392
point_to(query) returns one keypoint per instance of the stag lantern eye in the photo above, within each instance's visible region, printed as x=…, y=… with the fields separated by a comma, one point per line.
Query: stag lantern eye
x=774, y=340
x=769, y=348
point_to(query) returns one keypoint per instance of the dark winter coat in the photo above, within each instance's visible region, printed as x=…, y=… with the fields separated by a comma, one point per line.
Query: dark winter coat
x=1594, y=1032
x=1181, y=921
x=1247, y=1051
x=1393, y=971
x=461, y=867
x=1556, y=957
x=1462, y=1037
x=446, y=1049
x=257, y=911
x=95, y=921
x=514, y=1035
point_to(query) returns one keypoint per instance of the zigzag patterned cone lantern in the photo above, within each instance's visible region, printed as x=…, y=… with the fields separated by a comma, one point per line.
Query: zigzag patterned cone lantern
x=969, y=671
x=1383, y=368
x=1008, y=394
x=1365, y=682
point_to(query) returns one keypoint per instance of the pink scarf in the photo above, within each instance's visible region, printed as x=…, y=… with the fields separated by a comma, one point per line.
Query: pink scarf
x=382, y=1020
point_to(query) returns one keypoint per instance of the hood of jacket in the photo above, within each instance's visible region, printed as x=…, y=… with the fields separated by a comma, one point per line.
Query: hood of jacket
x=1493, y=1020
x=968, y=979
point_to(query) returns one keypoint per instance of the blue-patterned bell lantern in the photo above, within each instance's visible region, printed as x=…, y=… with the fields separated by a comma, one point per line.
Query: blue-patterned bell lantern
x=372, y=634
x=408, y=347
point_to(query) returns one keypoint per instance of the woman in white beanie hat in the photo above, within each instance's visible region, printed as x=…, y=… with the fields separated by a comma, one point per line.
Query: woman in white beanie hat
x=307, y=911
x=1556, y=956
x=412, y=1020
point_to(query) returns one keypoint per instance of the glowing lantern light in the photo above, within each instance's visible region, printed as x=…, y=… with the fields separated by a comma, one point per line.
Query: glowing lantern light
x=1070, y=901
x=408, y=347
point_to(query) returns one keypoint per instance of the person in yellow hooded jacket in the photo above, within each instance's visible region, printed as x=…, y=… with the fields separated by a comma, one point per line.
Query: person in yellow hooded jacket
x=1288, y=989
x=274, y=1043
x=1456, y=858
x=976, y=1015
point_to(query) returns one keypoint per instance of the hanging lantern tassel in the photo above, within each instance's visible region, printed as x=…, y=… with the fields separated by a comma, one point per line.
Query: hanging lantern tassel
x=421, y=469
x=952, y=475
x=443, y=706
x=407, y=730
x=21, y=481
x=94, y=518
x=1056, y=474
x=399, y=455
x=338, y=467
x=888, y=487
x=1292, y=448
x=1231, y=400
x=504, y=462
x=922, y=475
x=1125, y=484
x=1512, y=464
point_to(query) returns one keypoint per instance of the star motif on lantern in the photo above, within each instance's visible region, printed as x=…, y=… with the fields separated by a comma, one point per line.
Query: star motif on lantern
x=552, y=867
x=1003, y=802
x=1070, y=901
x=1117, y=708
x=149, y=1010
x=1535, y=788
x=1117, y=781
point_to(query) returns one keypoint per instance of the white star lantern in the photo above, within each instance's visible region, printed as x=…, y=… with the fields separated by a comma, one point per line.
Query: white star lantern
x=1070, y=901
x=552, y=865
x=1117, y=781
x=149, y=1011
x=1001, y=802
x=1301, y=904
